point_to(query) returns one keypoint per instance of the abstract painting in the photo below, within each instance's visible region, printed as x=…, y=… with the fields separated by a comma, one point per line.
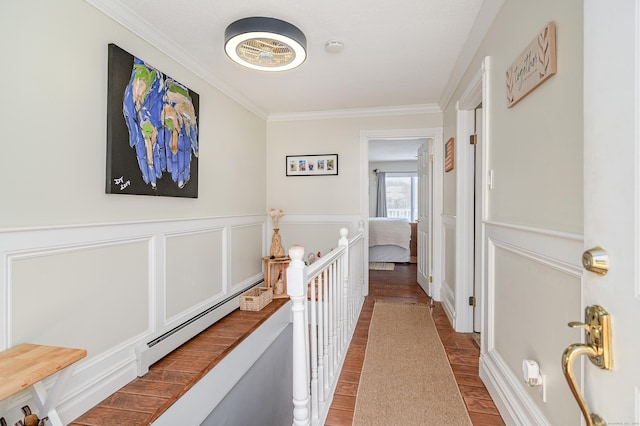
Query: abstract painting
x=152, y=130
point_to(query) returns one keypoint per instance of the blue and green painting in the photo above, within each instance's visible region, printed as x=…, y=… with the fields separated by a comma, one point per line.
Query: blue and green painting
x=152, y=130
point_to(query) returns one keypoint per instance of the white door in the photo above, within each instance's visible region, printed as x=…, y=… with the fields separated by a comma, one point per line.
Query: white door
x=424, y=215
x=612, y=197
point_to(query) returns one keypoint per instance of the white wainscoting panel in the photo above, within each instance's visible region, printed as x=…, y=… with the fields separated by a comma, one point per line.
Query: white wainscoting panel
x=194, y=270
x=246, y=253
x=447, y=292
x=534, y=288
x=66, y=296
x=113, y=288
x=316, y=233
x=316, y=237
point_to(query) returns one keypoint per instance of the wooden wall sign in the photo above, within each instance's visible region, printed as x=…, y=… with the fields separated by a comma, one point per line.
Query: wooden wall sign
x=533, y=67
x=448, y=155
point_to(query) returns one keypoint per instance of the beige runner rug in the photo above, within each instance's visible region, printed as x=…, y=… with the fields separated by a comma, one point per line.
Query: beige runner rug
x=406, y=378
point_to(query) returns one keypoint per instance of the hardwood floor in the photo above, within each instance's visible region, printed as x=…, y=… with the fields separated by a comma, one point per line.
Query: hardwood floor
x=463, y=353
x=144, y=399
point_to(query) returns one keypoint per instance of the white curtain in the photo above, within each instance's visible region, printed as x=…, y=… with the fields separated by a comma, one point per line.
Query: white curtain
x=381, y=202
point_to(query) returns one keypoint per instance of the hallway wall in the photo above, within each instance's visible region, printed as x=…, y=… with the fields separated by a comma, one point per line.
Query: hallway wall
x=54, y=206
x=329, y=195
x=54, y=132
x=109, y=272
x=533, y=227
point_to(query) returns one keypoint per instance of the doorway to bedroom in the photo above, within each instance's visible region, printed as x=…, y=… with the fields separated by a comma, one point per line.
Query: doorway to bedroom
x=393, y=200
x=395, y=191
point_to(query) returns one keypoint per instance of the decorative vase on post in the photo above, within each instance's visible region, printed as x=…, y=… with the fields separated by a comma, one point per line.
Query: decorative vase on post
x=276, y=251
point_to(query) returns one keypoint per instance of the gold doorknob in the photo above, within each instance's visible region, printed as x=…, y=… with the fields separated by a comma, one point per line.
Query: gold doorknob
x=597, y=328
x=596, y=260
x=568, y=356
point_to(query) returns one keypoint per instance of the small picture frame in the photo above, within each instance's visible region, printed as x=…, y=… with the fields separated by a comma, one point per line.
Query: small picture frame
x=448, y=155
x=312, y=165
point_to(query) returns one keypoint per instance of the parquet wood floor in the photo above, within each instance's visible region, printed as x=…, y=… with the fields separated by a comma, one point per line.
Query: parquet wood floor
x=463, y=353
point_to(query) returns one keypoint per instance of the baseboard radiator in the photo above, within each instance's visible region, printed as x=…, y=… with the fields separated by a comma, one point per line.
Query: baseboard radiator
x=149, y=353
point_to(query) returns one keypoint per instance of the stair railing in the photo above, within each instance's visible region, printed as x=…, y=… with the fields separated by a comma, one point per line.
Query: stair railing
x=326, y=297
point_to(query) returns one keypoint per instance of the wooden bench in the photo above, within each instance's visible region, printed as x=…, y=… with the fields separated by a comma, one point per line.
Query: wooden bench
x=26, y=365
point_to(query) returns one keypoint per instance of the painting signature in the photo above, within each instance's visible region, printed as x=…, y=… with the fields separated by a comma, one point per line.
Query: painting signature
x=120, y=181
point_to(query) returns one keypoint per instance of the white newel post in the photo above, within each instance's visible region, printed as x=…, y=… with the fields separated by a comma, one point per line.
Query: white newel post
x=298, y=293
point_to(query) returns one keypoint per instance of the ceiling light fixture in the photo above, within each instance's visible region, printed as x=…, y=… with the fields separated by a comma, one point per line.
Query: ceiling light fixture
x=265, y=44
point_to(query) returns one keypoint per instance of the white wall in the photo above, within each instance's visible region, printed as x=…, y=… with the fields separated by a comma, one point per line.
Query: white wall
x=449, y=179
x=107, y=272
x=533, y=228
x=268, y=385
x=54, y=137
x=331, y=194
x=326, y=203
x=536, y=146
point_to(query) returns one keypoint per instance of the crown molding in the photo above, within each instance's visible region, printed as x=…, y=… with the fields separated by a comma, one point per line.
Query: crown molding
x=117, y=11
x=357, y=112
x=481, y=26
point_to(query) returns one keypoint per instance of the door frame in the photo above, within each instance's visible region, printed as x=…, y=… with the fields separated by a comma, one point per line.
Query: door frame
x=434, y=133
x=466, y=250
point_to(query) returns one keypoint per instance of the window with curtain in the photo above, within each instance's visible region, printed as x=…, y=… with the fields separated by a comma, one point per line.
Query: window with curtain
x=402, y=195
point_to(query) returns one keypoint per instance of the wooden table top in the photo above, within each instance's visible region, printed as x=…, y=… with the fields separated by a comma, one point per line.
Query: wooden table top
x=23, y=365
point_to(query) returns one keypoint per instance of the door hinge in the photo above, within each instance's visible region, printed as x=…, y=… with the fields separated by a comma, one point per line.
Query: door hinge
x=430, y=157
x=473, y=139
x=472, y=301
x=430, y=279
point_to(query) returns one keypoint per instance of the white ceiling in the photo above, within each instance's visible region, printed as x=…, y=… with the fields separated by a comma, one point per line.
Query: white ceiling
x=397, y=54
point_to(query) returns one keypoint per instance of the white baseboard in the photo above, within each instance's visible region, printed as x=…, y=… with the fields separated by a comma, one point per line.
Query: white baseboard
x=515, y=406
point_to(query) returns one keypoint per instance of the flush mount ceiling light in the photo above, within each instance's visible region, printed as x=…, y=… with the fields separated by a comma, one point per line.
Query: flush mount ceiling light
x=265, y=44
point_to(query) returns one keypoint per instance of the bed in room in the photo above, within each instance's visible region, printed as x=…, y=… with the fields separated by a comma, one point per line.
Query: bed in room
x=389, y=239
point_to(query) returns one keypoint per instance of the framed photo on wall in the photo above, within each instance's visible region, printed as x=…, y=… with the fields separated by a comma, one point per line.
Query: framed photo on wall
x=312, y=165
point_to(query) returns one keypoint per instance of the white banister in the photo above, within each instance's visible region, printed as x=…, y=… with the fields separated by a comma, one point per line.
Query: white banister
x=326, y=301
x=297, y=293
